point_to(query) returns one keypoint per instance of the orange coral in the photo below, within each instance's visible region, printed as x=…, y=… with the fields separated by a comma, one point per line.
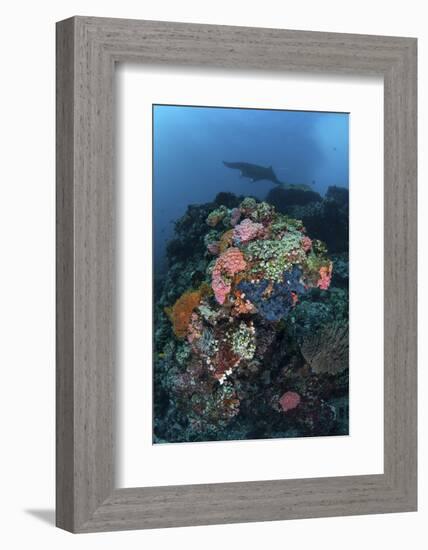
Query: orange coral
x=241, y=306
x=181, y=312
x=325, y=276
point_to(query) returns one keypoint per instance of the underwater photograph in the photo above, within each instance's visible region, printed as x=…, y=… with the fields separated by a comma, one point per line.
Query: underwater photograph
x=250, y=274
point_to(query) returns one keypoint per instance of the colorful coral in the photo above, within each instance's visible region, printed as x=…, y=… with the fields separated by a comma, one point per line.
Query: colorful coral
x=181, y=312
x=226, y=240
x=325, y=276
x=259, y=323
x=227, y=265
x=274, y=300
x=247, y=206
x=241, y=304
x=263, y=212
x=216, y=216
x=244, y=341
x=224, y=362
x=247, y=230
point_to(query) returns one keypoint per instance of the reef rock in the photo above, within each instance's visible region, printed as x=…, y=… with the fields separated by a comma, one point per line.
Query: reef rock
x=247, y=324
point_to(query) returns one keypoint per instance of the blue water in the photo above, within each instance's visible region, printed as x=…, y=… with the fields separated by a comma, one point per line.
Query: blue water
x=190, y=144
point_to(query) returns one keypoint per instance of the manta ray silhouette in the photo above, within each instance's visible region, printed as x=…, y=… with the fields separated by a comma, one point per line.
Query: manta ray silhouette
x=258, y=173
x=254, y=171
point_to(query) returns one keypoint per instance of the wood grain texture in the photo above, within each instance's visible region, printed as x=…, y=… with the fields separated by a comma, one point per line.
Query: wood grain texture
x=64, y=277
x=87, y=50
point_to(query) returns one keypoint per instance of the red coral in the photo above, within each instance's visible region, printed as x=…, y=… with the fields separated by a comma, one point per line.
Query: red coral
x=226, y=266
x=247, y=231
x=290, y=400
x=224, y=361
x=325, y=276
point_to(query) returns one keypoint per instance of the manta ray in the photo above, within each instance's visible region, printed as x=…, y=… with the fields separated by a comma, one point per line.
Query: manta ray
x=254, y=171
x=259, y=173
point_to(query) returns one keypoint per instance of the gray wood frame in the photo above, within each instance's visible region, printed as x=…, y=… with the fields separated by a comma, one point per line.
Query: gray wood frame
x=87, y=50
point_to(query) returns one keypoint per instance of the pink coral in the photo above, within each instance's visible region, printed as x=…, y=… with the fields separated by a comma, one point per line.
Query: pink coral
x=306, y=243
x=226, y=266
x=247, y=231
x=325, y=277
x=234, y=216
x=220, y=287
x=290, y=400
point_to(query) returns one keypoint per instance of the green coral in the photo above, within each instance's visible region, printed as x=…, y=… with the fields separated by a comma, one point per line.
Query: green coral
x=262, y=211
x=282, y=223
x=248, y=204
x=217, y=215
x=244, y=341
x=316, y=259
x=273, y=257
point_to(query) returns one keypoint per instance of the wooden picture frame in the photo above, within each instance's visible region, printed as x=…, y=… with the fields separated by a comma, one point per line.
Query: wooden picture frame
x=87, y=50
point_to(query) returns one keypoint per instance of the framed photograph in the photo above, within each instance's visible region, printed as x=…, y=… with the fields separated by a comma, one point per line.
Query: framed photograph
x=236, y=274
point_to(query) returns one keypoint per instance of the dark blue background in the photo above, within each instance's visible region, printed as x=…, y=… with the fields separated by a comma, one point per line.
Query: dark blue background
x=190, y=144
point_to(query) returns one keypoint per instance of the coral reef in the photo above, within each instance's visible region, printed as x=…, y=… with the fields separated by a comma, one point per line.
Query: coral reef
x=251, y=335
